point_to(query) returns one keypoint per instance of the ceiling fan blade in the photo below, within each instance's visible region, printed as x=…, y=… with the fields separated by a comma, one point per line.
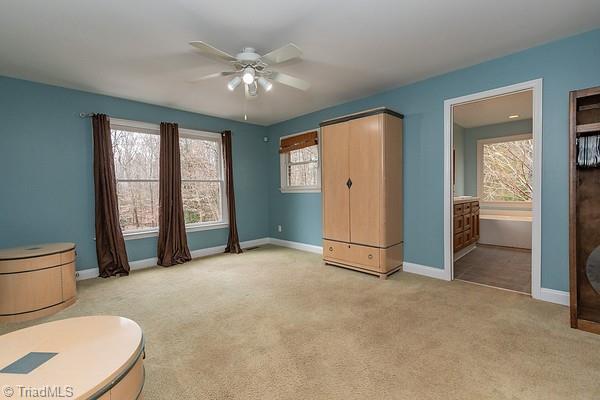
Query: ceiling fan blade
x=215, y=75
x=213, y=52
x=291, y=81
x=282, y=54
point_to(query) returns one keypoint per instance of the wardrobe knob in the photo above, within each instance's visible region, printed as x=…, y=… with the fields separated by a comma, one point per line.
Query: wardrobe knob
x=370, y=256
x=330, y=248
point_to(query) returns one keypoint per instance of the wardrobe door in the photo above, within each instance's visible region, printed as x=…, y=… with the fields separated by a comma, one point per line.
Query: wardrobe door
x=365, y=173
x=335, y=174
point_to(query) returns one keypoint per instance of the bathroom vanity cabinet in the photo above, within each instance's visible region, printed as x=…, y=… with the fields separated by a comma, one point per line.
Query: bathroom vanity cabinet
x=466, y=223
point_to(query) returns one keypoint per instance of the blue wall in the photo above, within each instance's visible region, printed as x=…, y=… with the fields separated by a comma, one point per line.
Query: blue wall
x=564, y=65
x=46, y=158
x=472, y=135
x=459, y=159
x=46, y=168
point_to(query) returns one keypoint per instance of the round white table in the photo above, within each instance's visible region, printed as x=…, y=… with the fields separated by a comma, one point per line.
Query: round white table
x=96, y=357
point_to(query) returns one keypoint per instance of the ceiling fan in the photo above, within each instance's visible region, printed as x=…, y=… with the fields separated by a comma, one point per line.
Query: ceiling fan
x=253, y=69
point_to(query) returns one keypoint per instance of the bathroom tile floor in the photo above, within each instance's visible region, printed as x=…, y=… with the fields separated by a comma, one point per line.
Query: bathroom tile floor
x=501, y=267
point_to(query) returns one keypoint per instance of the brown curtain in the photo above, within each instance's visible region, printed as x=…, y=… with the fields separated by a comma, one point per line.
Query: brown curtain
x=172, y=240
x=110, y=245
x=233, y=241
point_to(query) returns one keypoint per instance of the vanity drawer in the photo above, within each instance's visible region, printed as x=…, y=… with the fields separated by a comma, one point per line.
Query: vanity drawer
x=467, y=236
x=459, y=224
x=458, y=209
x=474, y=206
x=458, y=241
x=467, y=208
x=466, y=222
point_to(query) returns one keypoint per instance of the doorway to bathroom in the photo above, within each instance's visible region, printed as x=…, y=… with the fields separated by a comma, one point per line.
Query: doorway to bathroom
x=492, y=209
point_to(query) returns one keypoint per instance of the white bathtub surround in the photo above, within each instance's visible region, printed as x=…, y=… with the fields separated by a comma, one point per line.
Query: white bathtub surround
x=507, y=228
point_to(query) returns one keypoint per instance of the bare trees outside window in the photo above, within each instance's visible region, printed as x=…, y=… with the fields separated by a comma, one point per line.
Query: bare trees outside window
x=303, y=167
x=507, y=171
x=136, y=155
x=201, y=180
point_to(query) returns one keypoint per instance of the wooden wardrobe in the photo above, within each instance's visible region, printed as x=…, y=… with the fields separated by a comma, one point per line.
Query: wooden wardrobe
x=362, y=191
x=584, y=224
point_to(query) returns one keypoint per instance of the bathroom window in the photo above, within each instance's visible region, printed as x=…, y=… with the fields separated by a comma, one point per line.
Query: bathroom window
x=136, y=149
x=505, y=170
x=300, y=163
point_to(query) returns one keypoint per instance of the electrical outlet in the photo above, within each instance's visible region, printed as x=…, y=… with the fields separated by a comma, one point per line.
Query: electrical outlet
x=279, y=228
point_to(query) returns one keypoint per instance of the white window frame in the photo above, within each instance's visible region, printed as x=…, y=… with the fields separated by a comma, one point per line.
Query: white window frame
x=499, y=204
x=284, y=163
x=183, y=133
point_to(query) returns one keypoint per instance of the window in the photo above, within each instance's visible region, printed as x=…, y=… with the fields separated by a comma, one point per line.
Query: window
x=300, y=163
x=136, y=148
x=505, y=170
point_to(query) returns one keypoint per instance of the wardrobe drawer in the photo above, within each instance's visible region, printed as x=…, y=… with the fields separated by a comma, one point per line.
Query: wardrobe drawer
x=364, y=255
x=336, y=250
x=352, y=254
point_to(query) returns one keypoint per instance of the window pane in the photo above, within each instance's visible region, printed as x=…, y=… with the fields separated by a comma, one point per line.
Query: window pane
x=138, y=205
x=201, y=201
x=507, y=171
x=306, y=154
x=136, y=154
x=303, y=174
x=199, y=159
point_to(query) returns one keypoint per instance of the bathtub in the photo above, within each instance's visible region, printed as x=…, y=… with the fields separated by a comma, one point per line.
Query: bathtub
x=505, y=228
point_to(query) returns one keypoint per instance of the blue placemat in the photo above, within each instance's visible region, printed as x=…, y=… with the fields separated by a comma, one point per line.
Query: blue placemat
x=27, y=363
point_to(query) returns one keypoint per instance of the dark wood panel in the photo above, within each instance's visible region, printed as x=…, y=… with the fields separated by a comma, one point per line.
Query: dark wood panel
x=584, y=214
x=466, y=224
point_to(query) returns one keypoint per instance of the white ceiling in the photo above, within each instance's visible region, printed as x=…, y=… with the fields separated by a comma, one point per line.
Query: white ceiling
x=138, y=49
x=495, y=110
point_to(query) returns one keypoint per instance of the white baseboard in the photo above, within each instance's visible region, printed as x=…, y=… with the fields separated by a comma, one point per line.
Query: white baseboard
x=297, y=245
x=151, y=262
x=550, y=295
x=461, y=253
x=88, y=273
x=554, y=296
x=424, y=270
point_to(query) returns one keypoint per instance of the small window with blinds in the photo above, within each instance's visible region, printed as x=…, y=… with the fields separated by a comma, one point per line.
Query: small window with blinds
x=300, y=162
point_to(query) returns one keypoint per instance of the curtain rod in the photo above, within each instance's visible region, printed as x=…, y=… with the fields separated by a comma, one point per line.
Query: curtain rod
x=89, y=115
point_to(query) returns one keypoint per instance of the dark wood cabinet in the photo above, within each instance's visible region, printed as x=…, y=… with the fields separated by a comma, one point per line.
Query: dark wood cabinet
x=466, y=224
x=584, y=209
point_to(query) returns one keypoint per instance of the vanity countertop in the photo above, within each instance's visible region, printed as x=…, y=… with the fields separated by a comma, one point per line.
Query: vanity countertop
x=465, y=199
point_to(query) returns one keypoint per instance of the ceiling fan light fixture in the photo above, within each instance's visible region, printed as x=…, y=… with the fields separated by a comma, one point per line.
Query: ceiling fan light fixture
x=248, y=76
x=253, y=89
x=234, y=82
x=266, y=85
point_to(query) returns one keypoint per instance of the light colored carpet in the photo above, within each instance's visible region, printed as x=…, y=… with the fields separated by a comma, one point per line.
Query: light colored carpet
x=276, y=323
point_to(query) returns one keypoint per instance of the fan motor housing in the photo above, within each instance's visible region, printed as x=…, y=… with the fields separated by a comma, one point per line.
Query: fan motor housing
x=248, y=54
